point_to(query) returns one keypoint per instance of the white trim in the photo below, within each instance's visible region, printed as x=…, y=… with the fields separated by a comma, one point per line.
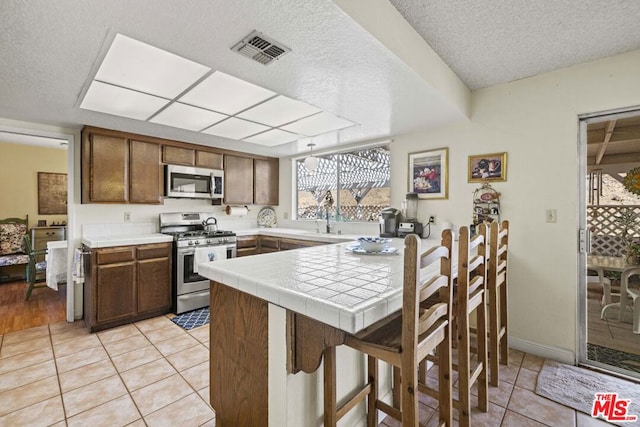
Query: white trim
x=343, y=149
x=557, y=354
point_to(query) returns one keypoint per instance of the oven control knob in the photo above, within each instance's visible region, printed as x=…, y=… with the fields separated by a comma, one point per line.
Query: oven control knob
x=190, y=243
x=209, y=241
x=197, y=242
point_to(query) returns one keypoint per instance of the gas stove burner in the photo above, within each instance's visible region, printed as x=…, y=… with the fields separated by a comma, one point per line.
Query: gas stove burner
x=201, y=233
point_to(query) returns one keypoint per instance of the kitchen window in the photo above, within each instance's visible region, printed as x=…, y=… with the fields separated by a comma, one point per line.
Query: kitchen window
x=346, y=186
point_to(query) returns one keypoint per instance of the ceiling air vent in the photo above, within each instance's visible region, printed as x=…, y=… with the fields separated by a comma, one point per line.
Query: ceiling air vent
x=260, y=48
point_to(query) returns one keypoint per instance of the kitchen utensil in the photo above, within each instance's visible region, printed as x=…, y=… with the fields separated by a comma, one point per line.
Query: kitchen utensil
x=210, y=224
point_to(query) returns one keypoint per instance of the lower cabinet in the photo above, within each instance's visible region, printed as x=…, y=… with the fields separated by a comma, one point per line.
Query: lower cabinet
x=253, y=245
x=125, y=284
x=247, y=245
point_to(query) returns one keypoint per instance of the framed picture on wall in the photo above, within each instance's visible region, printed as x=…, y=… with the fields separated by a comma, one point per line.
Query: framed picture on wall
x=52, y=193
x=488, y=167
x=429, y=173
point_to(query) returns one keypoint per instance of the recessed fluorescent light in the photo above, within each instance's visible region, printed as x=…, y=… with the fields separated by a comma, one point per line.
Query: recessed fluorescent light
x=278, y=111
x=136, y=65
x=115, y=100
x=187, y=117
x=273, y=137
x=318, y=124
x=225, y=93
x=235, y=129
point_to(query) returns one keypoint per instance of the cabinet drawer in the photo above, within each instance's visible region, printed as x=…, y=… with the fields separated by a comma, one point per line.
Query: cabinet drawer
x=49, y=234
x=286, y=244
x=247, y=242
x=161, y=250
x=247, y=251
x=115, y=255
x=269, y=242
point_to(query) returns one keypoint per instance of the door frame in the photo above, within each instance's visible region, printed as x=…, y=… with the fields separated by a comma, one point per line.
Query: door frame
x=583, y=121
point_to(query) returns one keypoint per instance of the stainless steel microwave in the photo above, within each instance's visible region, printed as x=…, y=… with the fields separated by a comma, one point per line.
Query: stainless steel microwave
x=193, y=183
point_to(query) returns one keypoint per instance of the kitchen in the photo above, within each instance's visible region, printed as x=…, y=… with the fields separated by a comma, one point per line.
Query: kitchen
x=534, y=119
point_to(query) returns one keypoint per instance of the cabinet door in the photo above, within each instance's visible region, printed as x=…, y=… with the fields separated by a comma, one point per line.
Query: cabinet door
x=206, y=159
x=238, y=180
x=178, y=155
x=286, y=244
x=104, y=169
x=115, y=291
x=145, y=181
x=154, y=284
x=265, y=176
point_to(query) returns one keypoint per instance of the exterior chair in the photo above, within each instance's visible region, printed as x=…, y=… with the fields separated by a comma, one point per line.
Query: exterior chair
x=404, y=338
x=33, y=268
x=497, y=299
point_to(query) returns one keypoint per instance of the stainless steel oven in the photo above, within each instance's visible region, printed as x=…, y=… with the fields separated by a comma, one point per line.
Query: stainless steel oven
x=191, y=290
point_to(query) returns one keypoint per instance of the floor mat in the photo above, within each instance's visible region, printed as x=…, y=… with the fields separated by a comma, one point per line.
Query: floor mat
x=192, y=319
x=577, y=387
x=617, y=358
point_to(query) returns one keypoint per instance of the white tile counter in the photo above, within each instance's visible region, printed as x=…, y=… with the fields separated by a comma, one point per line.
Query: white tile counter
x=296, y=233
x=327, y=283
x=136, y=239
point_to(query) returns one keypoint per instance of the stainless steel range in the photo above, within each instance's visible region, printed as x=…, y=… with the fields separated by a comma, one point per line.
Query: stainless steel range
x=190, y=231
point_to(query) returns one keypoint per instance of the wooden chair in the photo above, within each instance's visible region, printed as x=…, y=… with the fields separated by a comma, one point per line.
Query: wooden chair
x=406, y=337
x=470, y=299
x=497, y=299
x=34, y=269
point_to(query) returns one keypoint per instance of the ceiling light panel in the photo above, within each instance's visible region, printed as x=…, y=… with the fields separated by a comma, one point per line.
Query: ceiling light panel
x=115, y=100
x=137, y=65
x=318, y=124
x=187, y=117
x=273, y=137
x=278, y=111
x=226, y=94
x=235, y=129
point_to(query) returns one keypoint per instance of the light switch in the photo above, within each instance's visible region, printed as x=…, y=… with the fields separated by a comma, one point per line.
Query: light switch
x=552, y=215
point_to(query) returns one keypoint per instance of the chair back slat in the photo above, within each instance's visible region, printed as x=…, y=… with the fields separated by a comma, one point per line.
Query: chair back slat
x=432, y=286
x=431, y=315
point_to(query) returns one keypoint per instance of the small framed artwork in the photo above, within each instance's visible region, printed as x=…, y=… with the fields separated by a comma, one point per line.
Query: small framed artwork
x=52, y=193
x=429, y=173
x=42, y=223
x=488, y=167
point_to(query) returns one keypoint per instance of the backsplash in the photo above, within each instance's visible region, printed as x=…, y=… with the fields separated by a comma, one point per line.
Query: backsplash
x=119, y=229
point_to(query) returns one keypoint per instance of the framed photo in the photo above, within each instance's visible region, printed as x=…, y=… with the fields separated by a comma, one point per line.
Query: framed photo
x=52, y=193
x=42, y=223
x=488, y=167
x=429, y=173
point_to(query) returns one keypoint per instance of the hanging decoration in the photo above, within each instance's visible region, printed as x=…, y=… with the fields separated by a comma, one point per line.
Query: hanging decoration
x=594, y=184
x=632, y=181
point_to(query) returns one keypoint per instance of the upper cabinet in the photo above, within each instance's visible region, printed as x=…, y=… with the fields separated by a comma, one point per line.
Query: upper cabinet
x=266, y=182
x=116, y=169
x=238, y=180
x=121, y=167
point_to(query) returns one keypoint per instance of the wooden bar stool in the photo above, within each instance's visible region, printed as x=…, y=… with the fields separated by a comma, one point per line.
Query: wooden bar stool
x=497, y=299
x=404, y=338
x=471, y=297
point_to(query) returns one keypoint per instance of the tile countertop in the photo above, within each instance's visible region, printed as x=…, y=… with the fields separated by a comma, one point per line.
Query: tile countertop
x=295, y=233
x=136, y=239
x=328, y=283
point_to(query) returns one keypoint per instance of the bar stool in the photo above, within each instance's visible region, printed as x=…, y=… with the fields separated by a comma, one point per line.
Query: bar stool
x=497, y=299
x=404, y=338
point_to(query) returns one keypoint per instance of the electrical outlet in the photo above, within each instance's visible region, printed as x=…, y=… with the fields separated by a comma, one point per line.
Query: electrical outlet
x=432, y=219
x=551, y=215
x=127, y=217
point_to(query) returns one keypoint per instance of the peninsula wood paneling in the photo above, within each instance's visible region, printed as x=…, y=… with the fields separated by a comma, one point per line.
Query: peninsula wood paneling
x=239, y=368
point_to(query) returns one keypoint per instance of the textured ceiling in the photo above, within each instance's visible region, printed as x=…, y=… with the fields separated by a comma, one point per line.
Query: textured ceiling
x=50, y=51
x=493, y=41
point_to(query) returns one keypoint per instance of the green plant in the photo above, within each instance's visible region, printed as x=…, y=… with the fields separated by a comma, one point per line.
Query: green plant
x=633, y=249
x=627, y=219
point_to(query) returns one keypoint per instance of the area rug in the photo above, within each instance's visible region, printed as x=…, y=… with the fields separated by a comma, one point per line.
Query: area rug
x=192, y=319
x=617, y=358
x=577, y=387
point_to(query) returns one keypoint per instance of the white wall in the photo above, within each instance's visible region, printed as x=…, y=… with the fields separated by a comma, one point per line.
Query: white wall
x=535, y=121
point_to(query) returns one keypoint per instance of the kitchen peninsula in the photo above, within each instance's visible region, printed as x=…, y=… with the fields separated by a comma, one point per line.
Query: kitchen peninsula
x=273, y=315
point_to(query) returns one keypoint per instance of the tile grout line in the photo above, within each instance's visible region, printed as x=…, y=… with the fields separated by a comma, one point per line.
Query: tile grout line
x=55, y=363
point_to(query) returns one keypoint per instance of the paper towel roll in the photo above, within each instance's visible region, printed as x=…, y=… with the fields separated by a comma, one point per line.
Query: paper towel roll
x=236, y=210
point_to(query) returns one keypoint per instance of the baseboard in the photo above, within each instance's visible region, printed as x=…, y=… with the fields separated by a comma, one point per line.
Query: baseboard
x=554, y=353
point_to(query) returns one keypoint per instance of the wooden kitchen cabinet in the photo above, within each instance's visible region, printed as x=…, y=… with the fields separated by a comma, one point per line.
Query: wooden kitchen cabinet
x=146, y=174
x=116, y=169
x=269, y=244
x=207, y=159
x=247, y=245
x=105, y=169
x=178, y=155
x=238, y=180
x=154, y=277
x=287, y=244
x=125, y=284
x=266, y=181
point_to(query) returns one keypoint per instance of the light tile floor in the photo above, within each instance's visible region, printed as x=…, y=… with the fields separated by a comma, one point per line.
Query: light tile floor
x=155, y=373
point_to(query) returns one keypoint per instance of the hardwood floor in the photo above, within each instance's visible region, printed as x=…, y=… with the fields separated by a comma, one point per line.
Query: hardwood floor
x=45, y=306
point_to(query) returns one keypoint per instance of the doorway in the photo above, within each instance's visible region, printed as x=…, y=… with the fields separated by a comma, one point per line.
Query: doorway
x=36, y=137
x=610, y=218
